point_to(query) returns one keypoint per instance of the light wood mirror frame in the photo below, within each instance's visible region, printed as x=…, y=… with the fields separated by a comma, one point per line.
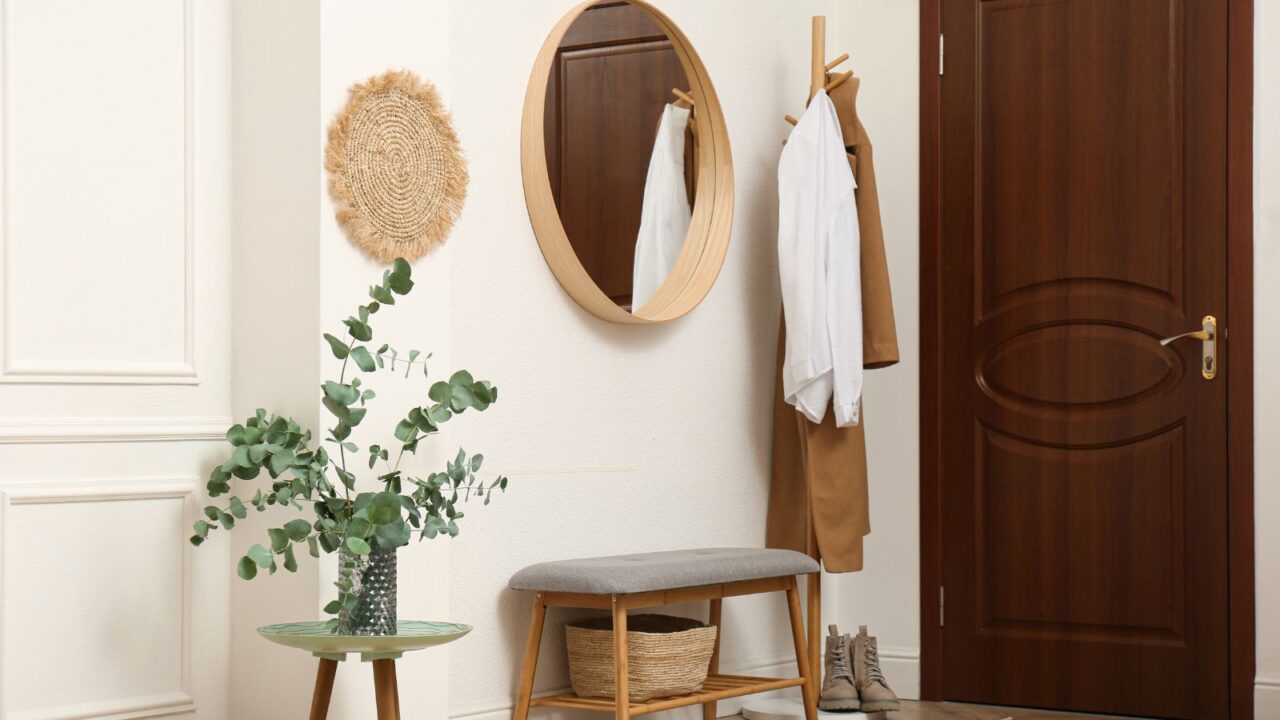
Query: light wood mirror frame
x=700, y=259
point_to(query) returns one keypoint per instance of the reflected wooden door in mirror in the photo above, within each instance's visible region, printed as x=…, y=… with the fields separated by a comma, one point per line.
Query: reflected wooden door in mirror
x=626, y=163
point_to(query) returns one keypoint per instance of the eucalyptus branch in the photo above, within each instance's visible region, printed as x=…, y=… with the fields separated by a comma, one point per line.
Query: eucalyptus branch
x=301, y=467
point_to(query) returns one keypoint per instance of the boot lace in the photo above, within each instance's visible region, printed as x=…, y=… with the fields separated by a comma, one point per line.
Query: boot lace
x=873, y=665
x=839, y=662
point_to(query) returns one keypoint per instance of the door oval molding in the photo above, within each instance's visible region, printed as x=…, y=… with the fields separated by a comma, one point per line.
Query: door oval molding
x=702, y=256
x=1051, y=349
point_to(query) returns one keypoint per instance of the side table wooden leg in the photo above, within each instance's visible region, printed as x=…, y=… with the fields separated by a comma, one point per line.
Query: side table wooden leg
x=324, y=689
x=525, y=694
x=713, y=619
x=384, y=687
x=808, y=689
x=621, y=694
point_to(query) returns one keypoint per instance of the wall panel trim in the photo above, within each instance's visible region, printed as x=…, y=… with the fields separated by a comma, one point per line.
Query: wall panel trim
x=12, y=370
x=47, y=430
x=86, y=490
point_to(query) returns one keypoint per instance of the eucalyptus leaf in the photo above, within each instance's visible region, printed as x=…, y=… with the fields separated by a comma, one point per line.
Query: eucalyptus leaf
x=338, y=347
x=279, y=539
x=360, y=527
x=261, y=556
x=441, y=392
x=363, y=359
x=461, y=397
x=297, y=529
x=385, y=508
x=247, y=568
x=358, y=546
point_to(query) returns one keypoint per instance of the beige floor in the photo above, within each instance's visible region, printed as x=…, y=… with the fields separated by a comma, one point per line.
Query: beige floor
x=953, y=711
x=912, y=710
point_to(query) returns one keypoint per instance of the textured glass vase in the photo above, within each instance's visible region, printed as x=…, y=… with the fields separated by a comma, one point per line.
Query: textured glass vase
x=373, y=580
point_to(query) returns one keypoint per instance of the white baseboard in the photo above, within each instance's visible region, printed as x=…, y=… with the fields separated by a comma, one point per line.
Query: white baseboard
x=901, y=668
x=1266, y=697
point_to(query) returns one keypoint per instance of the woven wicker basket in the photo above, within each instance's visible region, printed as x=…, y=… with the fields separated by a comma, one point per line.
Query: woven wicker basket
x=665, y=656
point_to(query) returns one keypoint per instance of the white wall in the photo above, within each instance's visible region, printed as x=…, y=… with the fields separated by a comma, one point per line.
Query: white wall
x=1266, y=198
x=276, y=313
x=114, y=383
x=358, y=40
x=882, y=39
x=298, y=276
x=617, y=439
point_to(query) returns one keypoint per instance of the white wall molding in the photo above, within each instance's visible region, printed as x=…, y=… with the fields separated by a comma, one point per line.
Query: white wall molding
x=1266, y=696
x=180, y=700
x=34, y=431
x=16, y=370
x=901, y=668
x=129, y=709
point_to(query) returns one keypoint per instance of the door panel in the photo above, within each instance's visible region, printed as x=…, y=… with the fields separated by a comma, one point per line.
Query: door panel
x=1084, y=483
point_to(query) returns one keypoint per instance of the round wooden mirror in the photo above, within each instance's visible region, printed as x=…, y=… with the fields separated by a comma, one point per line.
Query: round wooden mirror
x=627, y=170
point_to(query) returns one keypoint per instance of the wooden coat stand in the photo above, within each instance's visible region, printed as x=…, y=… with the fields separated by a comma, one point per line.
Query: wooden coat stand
x=820, y=78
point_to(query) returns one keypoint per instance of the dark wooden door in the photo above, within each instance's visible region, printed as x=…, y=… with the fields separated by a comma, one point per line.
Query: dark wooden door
x=613, y=75
x=1083, y=465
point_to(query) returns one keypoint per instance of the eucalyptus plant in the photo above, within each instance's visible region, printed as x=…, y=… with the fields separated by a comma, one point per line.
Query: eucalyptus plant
x=306, y=473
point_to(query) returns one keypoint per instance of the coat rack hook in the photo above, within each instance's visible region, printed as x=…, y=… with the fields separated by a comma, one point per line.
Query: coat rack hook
x=838, y=80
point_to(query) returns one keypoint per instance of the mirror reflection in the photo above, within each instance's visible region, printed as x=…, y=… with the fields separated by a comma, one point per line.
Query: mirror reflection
x=621, y=149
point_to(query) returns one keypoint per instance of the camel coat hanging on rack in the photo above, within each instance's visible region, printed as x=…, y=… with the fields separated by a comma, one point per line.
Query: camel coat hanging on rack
x=819, y=486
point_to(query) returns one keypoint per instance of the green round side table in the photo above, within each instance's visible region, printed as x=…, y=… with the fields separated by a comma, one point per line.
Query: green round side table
x=381, y=650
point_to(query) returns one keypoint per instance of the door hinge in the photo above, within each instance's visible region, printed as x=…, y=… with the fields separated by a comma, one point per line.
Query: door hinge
x=942, y=606
x=942, y=54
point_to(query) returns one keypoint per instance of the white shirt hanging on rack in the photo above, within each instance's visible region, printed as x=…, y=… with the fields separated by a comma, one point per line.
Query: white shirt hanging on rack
x=665, y=214
x=818, y=251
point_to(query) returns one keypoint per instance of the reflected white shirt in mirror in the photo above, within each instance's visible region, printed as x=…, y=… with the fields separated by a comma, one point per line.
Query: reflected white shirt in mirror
x=818, y=265
x=665, y=214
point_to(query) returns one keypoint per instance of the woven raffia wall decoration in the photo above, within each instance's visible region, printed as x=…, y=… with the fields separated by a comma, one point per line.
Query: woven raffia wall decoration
x=395, y=167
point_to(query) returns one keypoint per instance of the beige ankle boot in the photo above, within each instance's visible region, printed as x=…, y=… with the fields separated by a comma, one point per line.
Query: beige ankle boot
x=872, y=687
x=838, y=689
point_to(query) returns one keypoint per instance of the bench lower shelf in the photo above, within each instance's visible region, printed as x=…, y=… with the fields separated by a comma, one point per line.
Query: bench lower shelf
x=717, y=687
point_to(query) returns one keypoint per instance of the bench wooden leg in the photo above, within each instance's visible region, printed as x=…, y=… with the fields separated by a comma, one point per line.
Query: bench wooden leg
x=525, y=694
x=808, y=689
x=324, y=689
x=814, y=600
x=621, y=694
x=713, y=619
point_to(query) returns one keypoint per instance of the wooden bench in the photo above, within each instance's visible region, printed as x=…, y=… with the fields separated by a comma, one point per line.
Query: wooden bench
x=627, y=582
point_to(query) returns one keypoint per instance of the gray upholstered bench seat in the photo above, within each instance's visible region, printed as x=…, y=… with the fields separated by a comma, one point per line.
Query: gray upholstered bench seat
x=624, y=574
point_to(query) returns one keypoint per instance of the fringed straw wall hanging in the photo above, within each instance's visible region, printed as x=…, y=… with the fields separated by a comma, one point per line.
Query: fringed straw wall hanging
x=395, y=167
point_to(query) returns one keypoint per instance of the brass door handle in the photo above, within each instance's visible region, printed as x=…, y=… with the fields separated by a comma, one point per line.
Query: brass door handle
x=1197, y=334
x=1208, y=335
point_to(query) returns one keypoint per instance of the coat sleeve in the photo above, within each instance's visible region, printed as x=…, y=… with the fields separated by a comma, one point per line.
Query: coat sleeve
x=879, y=332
